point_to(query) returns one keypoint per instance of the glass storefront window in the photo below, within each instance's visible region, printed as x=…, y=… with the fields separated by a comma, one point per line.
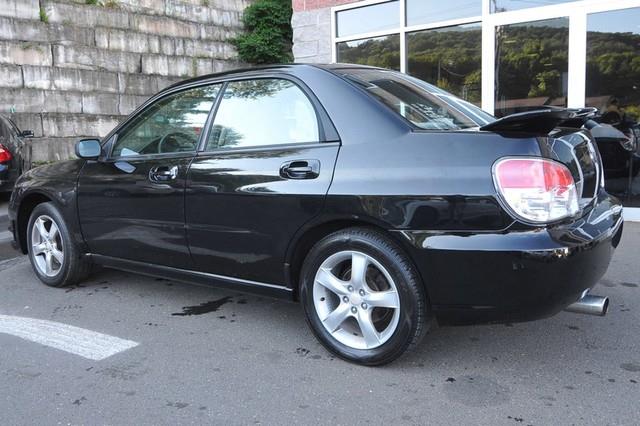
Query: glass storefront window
x=449, y=58
x=429, y=11
x=531, y=65
x=508, y=5
x=377, y=17
x=613, y=86
x=379, y=51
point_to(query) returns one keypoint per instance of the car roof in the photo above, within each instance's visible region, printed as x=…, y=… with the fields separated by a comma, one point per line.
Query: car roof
x=273, y=67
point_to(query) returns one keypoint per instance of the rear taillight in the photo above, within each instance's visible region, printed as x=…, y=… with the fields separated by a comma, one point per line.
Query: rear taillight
x=536, y=189
x=5, y=154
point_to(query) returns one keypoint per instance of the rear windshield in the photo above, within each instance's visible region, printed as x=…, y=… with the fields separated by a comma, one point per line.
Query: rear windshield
x=423, y=104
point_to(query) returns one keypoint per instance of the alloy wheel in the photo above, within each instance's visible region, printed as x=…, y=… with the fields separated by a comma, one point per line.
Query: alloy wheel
x=356, y=300
x=47, y=246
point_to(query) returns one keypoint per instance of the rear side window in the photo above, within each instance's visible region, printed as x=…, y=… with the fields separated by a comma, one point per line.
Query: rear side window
x=424, y=105
x=262, y=112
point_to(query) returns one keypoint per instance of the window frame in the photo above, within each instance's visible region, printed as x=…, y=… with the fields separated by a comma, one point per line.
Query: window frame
x=111, y=139
x=326, y=131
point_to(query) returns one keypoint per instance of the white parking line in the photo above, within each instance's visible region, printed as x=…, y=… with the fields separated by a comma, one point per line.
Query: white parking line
x=86, y=343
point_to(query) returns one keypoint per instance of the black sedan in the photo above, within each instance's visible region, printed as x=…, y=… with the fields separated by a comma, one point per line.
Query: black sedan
x=11, y=153
x=382, y=203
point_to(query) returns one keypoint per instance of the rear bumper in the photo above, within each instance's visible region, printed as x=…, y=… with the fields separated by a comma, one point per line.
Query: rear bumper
x=516, y=275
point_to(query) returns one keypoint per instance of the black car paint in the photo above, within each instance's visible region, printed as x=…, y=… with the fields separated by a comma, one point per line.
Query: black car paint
x=430, y=190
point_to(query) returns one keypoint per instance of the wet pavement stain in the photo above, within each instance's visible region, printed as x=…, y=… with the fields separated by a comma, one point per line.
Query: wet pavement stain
x=203, y=308
x=178, y=405
x=632, y=285
x=79, y=401
x=631, y=366
x=476, y=391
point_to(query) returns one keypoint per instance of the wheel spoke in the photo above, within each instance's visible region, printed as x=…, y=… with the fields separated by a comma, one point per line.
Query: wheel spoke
x=383, y=299
x=369, y=332
x=359, y=264
x=48, y=261
x=39, y=249
x=41, y=229
x=53, y=231
x=336, y=317
x=57, y=254
x=326, y=279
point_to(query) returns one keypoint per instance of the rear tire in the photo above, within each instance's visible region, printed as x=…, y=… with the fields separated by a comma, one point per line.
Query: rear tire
x=54, y=255
x=373, y=315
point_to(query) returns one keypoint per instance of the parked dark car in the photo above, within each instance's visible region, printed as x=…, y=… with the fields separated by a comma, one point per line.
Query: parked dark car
x=378, y=201
x=11, y=153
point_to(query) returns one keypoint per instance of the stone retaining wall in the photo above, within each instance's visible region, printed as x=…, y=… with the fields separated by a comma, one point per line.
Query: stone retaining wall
x=70, y=70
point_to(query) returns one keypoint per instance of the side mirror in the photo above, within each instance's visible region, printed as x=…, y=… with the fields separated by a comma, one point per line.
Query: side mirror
x=89, y=149
x=26, y=134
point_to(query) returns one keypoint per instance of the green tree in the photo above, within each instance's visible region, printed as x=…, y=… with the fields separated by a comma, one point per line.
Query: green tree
x=268, y=33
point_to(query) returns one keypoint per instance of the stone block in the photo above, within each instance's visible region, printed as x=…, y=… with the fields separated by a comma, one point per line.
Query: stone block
x=305, y=19
x=37, y=77
x=100, y=103
x=63, y=125
x=24, y=9
x=52, y=149
x=163, y=26
x=23, y=30
x=126, y=41
x=179, y=66
x=25, y=53
x=83, y=15
x=153, y=7
x=143, y=85
x=11, y=76
x=21, y=101
x=303, y=50
x=64, y=102
x=129, y=103
x=84, y=80
x=29, y=121
x=96, y=59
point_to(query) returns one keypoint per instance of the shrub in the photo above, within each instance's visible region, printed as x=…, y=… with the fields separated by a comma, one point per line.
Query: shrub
x=267, y=37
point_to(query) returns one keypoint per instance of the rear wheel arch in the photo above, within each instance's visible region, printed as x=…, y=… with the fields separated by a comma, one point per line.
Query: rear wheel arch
x=304, y=241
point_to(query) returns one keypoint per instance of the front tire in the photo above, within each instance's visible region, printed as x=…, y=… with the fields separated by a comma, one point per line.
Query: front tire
x=362, y=297
x=54, y=255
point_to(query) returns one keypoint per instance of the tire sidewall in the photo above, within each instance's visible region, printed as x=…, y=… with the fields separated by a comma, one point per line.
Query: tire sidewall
x=50, y=210
x=412, y=301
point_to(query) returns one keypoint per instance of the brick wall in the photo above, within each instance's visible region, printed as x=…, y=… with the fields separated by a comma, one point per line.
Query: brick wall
x=80, y=72
x=301, y=5
x=311, y=22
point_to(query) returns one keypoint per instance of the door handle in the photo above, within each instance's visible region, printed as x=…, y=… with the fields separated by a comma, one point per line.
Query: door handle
x=163, y=173
x=300, y=169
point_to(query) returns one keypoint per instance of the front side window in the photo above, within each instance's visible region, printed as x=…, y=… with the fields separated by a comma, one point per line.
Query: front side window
x=263, y=112
x=423, y=104
x=171, y=125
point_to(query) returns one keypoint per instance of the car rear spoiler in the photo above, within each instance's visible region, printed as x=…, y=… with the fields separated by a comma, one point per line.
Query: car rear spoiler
x=541, y=122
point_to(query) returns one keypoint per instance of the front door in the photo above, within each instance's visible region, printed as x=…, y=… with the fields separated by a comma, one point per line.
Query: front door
x=131, y=204
x=263, y=173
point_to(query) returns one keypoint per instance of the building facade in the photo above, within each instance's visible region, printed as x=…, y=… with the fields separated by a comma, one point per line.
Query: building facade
x=505, y=55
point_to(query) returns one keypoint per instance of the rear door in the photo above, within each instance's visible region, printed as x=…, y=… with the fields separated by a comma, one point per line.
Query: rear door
x=131, y=204
x=263, y=172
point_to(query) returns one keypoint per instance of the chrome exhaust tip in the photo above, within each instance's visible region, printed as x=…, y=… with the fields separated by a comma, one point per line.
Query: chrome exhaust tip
x=590, y=304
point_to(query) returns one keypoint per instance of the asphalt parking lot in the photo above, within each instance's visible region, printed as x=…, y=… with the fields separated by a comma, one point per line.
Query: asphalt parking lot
x=204, y=356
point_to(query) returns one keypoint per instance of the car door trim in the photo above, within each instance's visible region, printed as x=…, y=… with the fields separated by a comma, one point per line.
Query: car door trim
x=193, y=277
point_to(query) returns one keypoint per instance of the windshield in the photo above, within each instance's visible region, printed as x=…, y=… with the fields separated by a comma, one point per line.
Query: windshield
x=423, y=104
